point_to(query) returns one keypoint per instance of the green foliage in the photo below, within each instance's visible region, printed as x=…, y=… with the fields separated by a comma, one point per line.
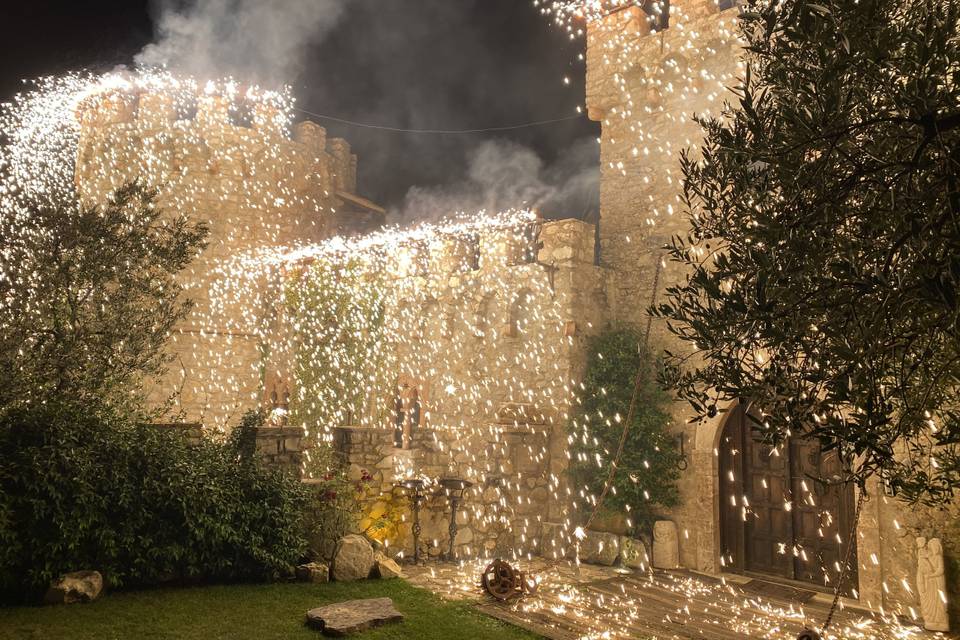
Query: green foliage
x=824, y=254
x=89, y=295
x=243, y=438
x=86, y=488
x=337, y=322
x=648, y=471
x=333, y=510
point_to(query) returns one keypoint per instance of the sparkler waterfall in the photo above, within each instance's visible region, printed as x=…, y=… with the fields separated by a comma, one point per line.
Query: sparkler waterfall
x=451, y=347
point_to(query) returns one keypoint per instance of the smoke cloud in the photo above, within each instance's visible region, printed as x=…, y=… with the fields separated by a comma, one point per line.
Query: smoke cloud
x=502, y=175
x=457, y=64
x=429, y=64
x=252, y=40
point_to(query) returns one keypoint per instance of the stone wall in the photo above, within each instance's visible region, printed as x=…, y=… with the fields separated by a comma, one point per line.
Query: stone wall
x=254, y=186
x=281, y=447
x=512, y=446
x=644, y=87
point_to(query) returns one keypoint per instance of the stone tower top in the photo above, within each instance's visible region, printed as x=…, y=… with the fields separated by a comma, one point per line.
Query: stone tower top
x=217, y=120
x=650, y=68
x=234, y=165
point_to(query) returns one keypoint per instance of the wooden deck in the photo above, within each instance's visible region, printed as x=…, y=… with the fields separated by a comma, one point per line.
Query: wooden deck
x=600, y=603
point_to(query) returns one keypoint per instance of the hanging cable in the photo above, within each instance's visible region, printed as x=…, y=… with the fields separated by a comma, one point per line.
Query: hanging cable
x=378, y=127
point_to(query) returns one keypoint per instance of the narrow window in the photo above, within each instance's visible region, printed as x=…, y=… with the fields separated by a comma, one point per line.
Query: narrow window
x=659, y=12
x=520, y=313
x=398, y=420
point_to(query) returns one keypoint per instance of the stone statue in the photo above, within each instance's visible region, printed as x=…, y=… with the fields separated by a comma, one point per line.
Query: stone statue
x=932, y=585
x=666, y=552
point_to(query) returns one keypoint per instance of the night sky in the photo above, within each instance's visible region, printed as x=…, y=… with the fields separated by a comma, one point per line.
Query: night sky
x=423, y=64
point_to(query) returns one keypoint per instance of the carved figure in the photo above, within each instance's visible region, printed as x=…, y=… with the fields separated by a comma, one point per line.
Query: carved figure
x=666, y=551
x=932, y=585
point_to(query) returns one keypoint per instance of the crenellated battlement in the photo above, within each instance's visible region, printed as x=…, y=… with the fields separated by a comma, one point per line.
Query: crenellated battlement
x=552, y=244
x=251, y=138
x=635, y=54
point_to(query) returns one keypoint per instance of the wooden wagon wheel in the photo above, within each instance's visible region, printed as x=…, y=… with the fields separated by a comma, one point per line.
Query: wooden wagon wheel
x=503, y=582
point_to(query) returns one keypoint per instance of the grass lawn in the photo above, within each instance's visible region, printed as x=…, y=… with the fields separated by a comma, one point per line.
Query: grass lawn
x=247, y=612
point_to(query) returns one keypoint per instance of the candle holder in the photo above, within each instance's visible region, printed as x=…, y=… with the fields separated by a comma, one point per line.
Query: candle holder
x=454, y=489
x=414, y=489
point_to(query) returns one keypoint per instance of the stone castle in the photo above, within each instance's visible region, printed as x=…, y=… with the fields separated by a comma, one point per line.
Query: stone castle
x=513, y=450
x=254, y=186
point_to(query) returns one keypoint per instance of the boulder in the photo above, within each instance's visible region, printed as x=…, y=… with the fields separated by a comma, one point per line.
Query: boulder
x=384, y=567
x=351, y=616
x=353, y=559
x=79, y=586
x=313, y=572
x=599, y=547
x=633, y=553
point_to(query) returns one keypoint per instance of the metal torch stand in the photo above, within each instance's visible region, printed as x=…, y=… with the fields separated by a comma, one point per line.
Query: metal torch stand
x=417, y=499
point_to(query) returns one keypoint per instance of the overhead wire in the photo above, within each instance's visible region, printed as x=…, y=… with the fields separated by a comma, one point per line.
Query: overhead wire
x=366, y=125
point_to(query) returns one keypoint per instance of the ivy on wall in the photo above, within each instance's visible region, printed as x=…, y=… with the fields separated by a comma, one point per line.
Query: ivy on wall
x=646, y=478
x=337, y=328
x=337, y=313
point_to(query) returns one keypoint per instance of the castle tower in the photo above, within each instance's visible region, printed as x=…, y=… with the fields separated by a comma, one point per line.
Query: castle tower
x=255, y=187
x=645, y=78
x=647, y=75
x=648, y=71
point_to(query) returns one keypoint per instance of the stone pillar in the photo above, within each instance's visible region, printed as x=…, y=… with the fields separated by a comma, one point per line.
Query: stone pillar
x=502, y=248
x=269, y=121
x=213, y=111
x=451, y=255
x=566, y=242
x=342, y=164
x=311, y=135
x=281, y=447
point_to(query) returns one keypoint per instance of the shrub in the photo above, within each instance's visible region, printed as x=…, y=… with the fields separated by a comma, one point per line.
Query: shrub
x=83, y=487
x=243, y=439
x=648, y=471
x=333, y=511
x=80, y=321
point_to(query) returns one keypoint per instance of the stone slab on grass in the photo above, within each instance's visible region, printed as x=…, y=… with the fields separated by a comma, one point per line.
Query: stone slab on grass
x=348, y=617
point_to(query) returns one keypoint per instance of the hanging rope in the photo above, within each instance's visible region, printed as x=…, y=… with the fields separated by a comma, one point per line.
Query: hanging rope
x=637, y=385
x=845, y=569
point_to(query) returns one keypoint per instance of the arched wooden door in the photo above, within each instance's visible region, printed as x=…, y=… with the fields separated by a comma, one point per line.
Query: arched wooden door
x=779, y=514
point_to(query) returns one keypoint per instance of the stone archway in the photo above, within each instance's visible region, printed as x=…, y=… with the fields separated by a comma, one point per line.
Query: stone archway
x=704, y=465
x=784, y=511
